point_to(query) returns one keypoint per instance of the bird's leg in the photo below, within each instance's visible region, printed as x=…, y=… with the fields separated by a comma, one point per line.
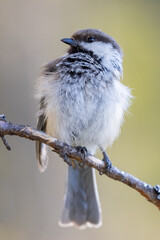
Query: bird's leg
x=106, y=160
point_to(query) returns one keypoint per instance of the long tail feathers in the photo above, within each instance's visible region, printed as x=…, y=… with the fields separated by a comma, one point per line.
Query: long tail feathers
x=81, y=203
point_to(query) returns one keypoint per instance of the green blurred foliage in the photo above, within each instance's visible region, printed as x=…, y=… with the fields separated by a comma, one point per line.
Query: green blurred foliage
x=30, y=202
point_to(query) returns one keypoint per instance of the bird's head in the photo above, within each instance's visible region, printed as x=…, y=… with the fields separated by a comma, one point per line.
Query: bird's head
x=98, y=44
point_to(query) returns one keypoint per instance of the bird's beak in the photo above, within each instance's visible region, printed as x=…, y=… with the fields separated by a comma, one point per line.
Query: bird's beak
x=70, y=42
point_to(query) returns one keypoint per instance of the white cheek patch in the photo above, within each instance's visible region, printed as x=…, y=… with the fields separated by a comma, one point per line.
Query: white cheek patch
x=111, y=58
x=98, y=48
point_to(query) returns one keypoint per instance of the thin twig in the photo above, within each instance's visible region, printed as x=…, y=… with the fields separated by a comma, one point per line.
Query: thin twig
x=5, y=143
x=152, y=194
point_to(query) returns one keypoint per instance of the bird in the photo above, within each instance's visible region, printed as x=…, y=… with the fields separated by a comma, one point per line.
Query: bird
x=82, y=102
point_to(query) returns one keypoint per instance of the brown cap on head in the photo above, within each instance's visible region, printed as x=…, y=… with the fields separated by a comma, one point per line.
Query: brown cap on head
x=90, y=35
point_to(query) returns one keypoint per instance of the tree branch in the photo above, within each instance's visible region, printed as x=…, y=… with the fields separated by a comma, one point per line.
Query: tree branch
x=152, y=194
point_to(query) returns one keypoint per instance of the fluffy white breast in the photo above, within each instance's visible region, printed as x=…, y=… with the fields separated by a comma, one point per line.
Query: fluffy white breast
x=87, y=113
x=90, y=123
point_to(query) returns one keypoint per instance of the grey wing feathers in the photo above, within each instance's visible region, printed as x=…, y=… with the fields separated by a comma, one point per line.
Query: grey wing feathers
x=50, y=67
x=41, y=148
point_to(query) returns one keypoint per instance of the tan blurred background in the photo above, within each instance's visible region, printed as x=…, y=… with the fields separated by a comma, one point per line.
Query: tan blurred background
x=30, y=202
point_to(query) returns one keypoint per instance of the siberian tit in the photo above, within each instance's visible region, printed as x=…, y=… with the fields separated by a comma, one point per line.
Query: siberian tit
x=82, y=103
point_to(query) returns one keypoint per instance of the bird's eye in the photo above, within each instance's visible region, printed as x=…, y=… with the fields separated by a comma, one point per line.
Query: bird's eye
x=90, y=39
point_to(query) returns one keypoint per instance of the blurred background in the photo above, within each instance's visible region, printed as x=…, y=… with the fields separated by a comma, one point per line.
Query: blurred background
x=30, y=33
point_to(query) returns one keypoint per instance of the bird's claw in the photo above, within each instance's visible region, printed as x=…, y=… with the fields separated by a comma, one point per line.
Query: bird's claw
x=82, y=151
x=106, y=160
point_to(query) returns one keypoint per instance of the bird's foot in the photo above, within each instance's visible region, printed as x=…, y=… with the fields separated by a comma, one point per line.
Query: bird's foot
x=82, y=151
x=106, y=160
